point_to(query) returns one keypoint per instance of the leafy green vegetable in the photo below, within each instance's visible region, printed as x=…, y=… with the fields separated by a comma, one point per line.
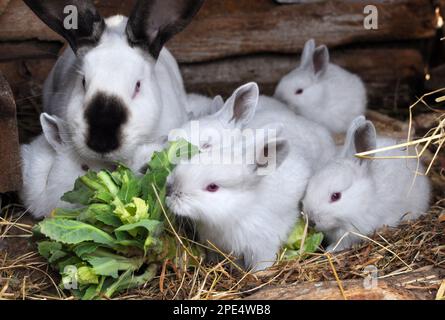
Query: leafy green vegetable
x=87, y=275
x=131, y=212
x=312, y=240
x=74, y=232
x=117, y=231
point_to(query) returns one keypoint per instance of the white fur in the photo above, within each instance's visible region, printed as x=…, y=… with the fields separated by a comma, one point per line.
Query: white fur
x=200, y=106
x=332, y=96
x=114, y=67
x=50, y=166
x=250, y=215
x=143, y=155
x=374, y=193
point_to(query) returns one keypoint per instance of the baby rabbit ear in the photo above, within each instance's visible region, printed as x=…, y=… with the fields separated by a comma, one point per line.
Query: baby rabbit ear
x=349, y=146
x=51, y=130
x=240, y=108
x=217, y=103
x=271, y=155
x=365, y=138
x=320, y=60
x=77, y=21
x=154, y=22
x=308, y=52
x=361, y=137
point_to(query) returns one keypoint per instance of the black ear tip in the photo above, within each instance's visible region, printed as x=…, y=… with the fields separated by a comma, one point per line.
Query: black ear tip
x=90, y=24
x=154, y=23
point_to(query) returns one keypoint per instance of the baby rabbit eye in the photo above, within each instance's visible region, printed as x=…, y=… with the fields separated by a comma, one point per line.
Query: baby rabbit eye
x=299, y=91
x=84, y=83
x=335, y=197
x=206, y=145
x=212, y=187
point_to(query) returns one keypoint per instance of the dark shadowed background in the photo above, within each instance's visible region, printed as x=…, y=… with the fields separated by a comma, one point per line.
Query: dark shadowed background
x=234, y=41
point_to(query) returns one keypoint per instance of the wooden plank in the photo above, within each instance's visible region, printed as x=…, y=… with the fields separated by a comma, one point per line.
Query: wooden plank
x=22, y=71
x=18, y=22
x=390, y=74
x=29, y=50
x=391, y=288
x=10, y=175
x=240, y=27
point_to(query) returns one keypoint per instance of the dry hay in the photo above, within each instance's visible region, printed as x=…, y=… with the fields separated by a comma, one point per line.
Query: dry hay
x=412, y=247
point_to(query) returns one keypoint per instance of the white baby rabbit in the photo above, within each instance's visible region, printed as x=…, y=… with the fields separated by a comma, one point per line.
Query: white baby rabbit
x=362, y=195
x=234, y=207
x=50, y=166
x=37, y=160
x=116, y=86
x=323, y=92
x=237, y=209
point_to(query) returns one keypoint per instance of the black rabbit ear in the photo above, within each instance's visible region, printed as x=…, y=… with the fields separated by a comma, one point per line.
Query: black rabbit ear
x=76, y=20
x=154, y=22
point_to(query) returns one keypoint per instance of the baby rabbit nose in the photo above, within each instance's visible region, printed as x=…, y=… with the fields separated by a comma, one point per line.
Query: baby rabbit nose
x=169, y=189
x=311, y=223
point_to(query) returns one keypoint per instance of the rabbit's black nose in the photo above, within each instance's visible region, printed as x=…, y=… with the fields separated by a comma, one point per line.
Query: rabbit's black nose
x=105, y=116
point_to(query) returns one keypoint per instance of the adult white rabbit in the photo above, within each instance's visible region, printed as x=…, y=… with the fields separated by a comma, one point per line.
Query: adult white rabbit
x=116, y=87
x=323, y=92
x=235, y=207
x=50, y=166
x=362, y=195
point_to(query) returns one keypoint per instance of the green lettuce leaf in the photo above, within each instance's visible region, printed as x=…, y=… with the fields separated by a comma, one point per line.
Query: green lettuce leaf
x=132, y=212
x=74, y=232
x=86, y=275
x=292, y=249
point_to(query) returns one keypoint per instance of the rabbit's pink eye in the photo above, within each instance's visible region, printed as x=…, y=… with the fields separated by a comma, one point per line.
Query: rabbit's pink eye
x=206, y=146
x=212, y=187
x=299, y=91
x=335, y=196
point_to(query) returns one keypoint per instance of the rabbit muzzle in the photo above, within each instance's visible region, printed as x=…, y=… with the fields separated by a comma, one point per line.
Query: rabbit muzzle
x=105, y=116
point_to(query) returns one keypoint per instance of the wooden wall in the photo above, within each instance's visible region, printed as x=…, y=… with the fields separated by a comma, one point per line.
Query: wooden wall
x=235, y=41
